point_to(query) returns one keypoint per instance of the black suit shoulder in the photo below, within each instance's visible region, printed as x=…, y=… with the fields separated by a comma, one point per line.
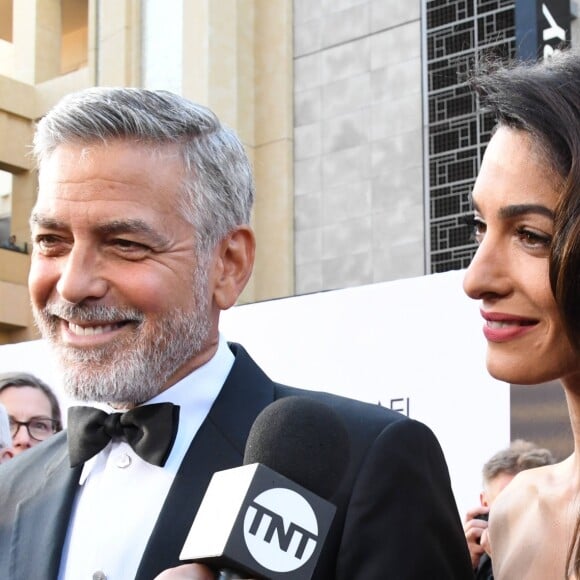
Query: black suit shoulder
x=364, y=421
x=396, y=514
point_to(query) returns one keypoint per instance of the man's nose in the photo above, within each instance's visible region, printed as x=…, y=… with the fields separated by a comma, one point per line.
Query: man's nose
x=80, y=277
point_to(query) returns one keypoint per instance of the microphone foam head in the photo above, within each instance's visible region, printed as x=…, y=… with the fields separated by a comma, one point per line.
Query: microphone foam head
x=302, y=439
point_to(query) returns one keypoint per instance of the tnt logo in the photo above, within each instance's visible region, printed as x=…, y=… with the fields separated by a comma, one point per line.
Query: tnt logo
x=280, y=530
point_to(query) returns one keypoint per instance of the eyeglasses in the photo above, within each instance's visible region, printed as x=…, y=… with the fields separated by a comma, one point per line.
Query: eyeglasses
x=39, y=428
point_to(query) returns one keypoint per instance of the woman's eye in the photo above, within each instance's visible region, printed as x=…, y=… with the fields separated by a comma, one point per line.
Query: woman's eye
x=534, y=239
x=477, y=228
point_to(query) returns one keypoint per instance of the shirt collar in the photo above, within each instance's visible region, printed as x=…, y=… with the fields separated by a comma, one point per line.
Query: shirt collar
x=195, y=395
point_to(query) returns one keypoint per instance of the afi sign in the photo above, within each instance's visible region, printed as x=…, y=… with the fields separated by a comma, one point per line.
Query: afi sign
x=542, y=27
x=553, y=35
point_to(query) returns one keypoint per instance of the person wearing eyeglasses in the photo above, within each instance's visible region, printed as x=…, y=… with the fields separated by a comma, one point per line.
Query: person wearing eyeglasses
x=33, y=410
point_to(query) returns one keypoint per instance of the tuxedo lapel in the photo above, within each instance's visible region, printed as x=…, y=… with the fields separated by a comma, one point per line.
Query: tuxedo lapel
x=219, y=444
x=42, y=518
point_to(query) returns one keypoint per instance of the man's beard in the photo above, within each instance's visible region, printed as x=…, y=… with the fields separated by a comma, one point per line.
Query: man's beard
x=135, y=367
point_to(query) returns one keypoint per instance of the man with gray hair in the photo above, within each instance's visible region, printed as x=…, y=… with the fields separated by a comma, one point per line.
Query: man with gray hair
x=140, y=239
x=5, y=438
x=497, y=473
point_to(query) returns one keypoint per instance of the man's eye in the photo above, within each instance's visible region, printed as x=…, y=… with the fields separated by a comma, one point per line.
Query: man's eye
x=48, y=243
x=129, y=245
x=45, y=240
x=129, y=249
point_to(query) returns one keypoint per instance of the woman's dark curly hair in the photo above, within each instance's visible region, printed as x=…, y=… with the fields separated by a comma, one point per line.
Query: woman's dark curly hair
x=543, y=99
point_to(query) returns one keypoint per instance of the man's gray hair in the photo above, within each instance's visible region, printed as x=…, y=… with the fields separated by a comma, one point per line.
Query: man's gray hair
x=218, y=186
x=5, y=437
x=519, y=456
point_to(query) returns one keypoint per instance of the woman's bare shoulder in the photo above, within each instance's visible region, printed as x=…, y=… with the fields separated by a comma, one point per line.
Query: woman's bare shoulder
x=524, y=487
x=523, y=520
x=530, y=489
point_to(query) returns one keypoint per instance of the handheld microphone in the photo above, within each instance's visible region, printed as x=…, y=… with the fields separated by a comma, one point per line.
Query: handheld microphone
x=269, y=518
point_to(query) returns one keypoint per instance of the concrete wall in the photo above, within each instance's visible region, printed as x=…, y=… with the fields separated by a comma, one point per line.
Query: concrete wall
x=358, y=142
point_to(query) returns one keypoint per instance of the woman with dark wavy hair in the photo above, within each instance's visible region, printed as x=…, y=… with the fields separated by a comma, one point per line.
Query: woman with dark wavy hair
x=526, y=274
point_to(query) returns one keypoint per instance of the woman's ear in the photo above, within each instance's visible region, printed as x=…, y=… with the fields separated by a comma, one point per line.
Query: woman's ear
x=233, y=264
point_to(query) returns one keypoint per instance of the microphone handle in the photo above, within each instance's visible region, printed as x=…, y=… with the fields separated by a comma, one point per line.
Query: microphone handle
x=226, y=574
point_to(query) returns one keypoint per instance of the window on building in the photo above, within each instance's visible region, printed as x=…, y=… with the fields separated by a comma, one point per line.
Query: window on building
x=457, y=32
x=6, y=20
x=75, y=34
x=6, y=35
x=5, y=206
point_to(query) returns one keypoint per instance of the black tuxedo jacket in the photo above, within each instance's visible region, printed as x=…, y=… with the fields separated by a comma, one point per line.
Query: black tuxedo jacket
x=396, y=515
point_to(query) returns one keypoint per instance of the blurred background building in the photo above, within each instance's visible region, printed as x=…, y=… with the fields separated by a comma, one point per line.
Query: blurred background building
x=364, y=137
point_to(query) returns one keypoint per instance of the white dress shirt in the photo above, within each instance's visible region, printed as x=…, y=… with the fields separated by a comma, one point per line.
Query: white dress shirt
x=120, y=495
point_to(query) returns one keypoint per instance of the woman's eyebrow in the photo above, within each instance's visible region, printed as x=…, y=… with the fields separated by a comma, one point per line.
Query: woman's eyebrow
x=516, y=210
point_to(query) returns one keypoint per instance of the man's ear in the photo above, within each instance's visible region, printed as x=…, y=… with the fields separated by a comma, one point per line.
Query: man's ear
x=232, y=268
x=483, y=499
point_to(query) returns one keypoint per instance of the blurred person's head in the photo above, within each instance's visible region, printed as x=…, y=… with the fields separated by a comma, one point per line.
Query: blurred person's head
x=5, y=437
x=507, y=463
x=32, y=407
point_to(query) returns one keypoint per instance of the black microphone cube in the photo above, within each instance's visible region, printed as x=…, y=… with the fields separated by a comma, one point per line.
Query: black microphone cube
x=256, y=521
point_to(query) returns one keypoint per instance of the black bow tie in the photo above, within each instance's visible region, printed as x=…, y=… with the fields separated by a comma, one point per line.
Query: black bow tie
x=150, y=430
